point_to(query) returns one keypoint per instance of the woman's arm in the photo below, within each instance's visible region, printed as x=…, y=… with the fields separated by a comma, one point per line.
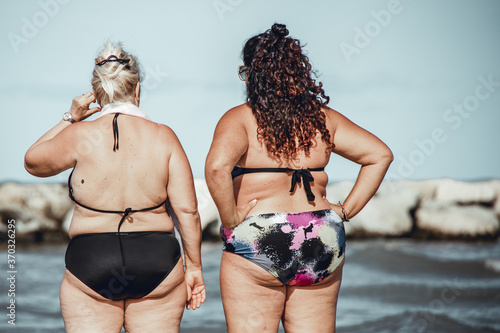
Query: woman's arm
x=182, y=197
x=55, y=151
x=229, y=144
x=362, y=147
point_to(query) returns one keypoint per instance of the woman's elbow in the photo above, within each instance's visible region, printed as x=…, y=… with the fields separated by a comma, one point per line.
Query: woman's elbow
x=214, y=168
x=36, y=171
x=35, y=168
x=29, y=164
x=386, y=157
x=380, y=157
x=188, y=214
x=389, y=156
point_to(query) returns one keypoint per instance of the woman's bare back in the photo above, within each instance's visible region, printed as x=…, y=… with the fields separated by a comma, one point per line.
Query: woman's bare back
x=135, y=175
x=272, y=189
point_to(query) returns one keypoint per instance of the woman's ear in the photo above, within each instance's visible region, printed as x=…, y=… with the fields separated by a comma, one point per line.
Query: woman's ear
x=137, y=94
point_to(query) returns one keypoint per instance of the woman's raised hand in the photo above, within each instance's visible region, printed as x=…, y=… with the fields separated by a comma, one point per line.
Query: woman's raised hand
x=80, y=106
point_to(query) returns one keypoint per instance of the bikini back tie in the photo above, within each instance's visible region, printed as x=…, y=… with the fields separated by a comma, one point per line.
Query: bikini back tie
x=297, y=176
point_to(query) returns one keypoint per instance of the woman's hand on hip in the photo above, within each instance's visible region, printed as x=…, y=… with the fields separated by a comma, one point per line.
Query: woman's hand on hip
x=336, y=208
x=80, y=106
x=242, y=212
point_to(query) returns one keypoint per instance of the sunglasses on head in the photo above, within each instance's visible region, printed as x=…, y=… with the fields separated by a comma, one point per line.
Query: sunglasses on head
x=242, y=72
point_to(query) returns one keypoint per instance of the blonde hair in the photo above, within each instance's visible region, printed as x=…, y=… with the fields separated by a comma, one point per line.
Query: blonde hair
x=115, y=81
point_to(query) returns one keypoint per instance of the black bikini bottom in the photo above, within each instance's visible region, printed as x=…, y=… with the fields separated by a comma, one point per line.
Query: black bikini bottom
x=148, y=257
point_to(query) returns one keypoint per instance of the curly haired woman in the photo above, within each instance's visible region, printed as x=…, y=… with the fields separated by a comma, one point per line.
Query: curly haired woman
x=284, y=243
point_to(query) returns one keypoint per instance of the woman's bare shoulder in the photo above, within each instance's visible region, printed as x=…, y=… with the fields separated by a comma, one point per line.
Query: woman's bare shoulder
x=334, y=118
x=239, y=111
x=240, y=115
x=167, y=133
x=331, y=113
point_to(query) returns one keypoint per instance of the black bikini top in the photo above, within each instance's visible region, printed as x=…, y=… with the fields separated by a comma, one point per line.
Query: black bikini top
x=125, y=212
x=297, y=176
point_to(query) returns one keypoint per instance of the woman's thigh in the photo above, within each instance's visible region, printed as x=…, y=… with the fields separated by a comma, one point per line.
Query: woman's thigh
x=253, y=299
x=84, y=310
x=313, y=308
x=162, y=309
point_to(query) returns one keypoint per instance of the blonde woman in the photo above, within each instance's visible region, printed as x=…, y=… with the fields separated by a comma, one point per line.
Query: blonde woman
x=284, y=243
x=124, y=266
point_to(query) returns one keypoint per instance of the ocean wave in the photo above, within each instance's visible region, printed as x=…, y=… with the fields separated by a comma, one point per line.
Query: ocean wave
x=416, y=322
x=493, y=264
x=407, y=259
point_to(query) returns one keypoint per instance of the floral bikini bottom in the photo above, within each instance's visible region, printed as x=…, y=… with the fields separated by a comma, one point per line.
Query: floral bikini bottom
x=299, y=249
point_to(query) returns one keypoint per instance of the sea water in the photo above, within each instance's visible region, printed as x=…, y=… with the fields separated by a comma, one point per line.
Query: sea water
x=388, y=286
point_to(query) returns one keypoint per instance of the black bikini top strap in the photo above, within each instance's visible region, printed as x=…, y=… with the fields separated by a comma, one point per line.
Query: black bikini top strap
x=115, y=132
x=126, y=211
x=237, y=171
x=297, y=176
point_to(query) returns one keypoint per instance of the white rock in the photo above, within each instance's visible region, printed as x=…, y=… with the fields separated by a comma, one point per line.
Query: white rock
x=39, y=207
x=339, y=191
x=67, y=220
x=206, y=206
x=56, y=195
x=48, y=200
x=3, y=223
x=449, y=190
x=27, y=221
x=440, y=219
x=425, y=188
x=386, y=214
x=12, y=193
x=493, y=264
x=496, y=186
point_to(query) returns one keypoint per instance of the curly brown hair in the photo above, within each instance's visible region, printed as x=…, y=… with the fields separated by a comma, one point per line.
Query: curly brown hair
x=285, y=99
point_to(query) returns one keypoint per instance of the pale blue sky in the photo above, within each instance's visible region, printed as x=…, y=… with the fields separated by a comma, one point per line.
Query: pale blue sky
x=396, y=68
